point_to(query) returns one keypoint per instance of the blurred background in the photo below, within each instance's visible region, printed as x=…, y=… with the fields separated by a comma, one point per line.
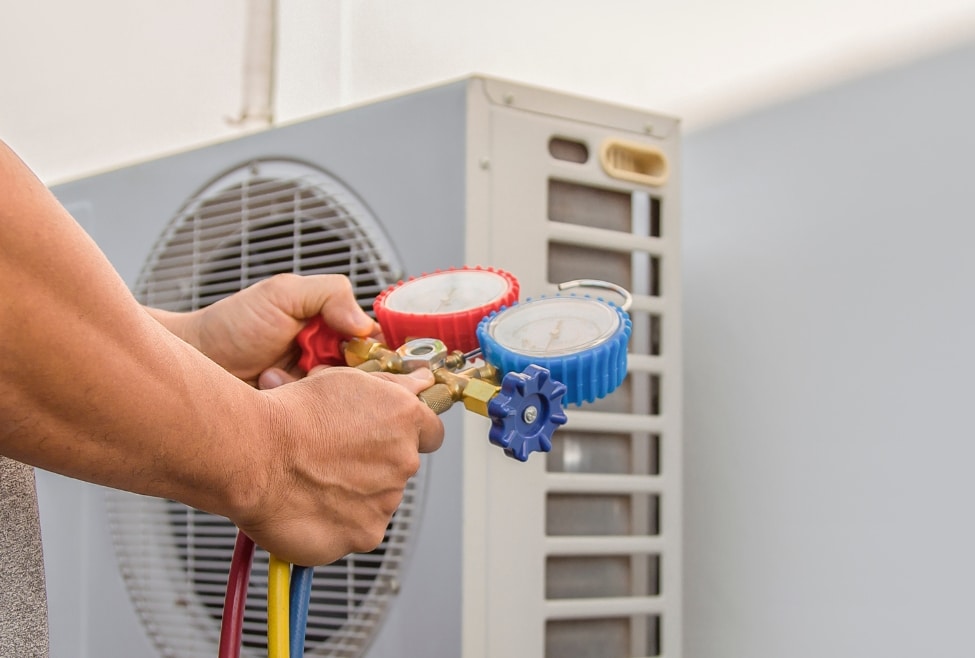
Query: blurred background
x=827, y=249
x=90, y=85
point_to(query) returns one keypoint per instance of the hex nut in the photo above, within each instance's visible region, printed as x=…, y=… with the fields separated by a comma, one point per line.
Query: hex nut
x=477, y=394
x=422, y=353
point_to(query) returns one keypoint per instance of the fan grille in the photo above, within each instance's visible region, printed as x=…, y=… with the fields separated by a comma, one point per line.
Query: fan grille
x=262, y=219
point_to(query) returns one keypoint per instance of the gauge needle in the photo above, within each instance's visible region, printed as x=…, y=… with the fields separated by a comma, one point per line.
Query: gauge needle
x=554, y=335
x=445, y=300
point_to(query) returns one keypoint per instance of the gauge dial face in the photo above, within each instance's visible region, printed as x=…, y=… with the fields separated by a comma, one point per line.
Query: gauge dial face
x=554, y=326
x=447, y=292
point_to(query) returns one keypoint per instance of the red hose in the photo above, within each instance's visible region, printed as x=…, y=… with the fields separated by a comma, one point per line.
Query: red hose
x=233, y=604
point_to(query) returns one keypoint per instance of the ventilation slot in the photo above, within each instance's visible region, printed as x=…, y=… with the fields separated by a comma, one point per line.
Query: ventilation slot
x=584, y=205
x=596, y=514
x=655, y=332
x=604, y=453
x=567, y=262
x=614, y=637
x=602, y=576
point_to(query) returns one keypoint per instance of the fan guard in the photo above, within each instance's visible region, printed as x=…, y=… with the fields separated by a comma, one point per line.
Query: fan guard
x=263, y=218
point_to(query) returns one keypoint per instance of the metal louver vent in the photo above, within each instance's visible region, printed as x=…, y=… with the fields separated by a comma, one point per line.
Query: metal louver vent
x=265, y=218
x=608, y=507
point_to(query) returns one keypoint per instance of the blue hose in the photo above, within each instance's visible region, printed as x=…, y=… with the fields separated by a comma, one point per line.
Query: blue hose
x=301, y=578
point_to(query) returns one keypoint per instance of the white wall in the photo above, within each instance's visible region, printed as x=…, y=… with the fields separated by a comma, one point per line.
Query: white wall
x=698, y=59
x=90, y=85
x=87, y=85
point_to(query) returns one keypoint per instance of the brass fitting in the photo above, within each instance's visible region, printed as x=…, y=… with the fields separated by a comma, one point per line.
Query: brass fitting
x=359, y=351
x=422, y=353
x=438, y=398
x=370, y=366
x=474, y=386
x=477, y=393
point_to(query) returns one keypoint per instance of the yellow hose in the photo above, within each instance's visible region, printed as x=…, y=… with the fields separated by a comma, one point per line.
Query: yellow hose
x=278, y=584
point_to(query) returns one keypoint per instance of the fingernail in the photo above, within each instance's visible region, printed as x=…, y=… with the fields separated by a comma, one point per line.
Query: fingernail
x=271, y=379
x=421, y=373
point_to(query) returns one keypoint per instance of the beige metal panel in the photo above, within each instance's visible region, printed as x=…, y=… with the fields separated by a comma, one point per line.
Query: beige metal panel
x=477, y=451
x=510, y=226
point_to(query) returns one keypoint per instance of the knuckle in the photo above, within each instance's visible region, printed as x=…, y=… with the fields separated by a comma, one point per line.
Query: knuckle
x=335, y=282
x=342, y=281
x=369, y=538
x=392, y=502
x=281, y=280
x=411, y=464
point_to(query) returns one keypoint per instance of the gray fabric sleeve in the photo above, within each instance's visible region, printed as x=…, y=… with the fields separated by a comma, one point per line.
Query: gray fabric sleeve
x=23, y=597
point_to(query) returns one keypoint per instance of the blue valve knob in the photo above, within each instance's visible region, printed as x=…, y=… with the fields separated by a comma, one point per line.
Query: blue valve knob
x=526, y=412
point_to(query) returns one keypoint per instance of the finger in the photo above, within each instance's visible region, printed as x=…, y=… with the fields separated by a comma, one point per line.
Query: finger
x=294, y=373
x=419, y=380
x=430, y=431
x=332, y=297
x=274, y=377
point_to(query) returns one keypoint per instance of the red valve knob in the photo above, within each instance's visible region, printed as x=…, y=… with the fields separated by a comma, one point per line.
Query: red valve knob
x=320, y=345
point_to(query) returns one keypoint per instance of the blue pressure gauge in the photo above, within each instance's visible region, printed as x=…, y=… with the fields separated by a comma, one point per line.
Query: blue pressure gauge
x=581, y=340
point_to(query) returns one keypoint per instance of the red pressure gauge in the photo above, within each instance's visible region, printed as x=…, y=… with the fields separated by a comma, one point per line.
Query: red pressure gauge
x=445, y=304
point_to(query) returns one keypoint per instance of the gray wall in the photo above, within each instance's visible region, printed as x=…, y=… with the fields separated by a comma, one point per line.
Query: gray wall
x=828, y=318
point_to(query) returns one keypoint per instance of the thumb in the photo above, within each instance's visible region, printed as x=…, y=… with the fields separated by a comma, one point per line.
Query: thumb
x=416, y=381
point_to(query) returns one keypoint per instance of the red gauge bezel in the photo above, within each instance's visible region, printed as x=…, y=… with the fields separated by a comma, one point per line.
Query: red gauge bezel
x=458, y=330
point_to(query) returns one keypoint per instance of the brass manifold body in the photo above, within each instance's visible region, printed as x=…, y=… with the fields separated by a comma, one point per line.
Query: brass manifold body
x=458, y=380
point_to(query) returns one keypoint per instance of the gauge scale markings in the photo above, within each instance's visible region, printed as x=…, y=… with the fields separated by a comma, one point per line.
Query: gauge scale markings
x=554, y=326
x=447, y=292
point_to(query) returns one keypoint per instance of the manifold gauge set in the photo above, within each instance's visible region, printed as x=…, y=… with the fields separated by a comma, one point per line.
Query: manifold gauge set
x=515, y=362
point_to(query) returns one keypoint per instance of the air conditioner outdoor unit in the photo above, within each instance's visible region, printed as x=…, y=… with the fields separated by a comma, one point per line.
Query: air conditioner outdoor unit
x=575, y=553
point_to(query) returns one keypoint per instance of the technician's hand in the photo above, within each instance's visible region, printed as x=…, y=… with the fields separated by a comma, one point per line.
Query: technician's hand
x=254, y=329
x=345, y=444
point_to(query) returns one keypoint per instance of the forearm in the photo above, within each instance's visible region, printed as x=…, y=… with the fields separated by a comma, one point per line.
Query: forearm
x=176, y=323
x=93, y=387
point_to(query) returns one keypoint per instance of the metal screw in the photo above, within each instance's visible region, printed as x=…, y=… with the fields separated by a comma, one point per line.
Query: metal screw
x=508, y=98
x=648, y=128
x=485, y=163
x=530, y=414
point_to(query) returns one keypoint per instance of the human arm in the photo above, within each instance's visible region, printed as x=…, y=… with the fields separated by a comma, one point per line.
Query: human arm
x=94, y=387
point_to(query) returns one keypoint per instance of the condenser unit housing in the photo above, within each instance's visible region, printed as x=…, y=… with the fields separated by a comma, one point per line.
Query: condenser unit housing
x=573, y=554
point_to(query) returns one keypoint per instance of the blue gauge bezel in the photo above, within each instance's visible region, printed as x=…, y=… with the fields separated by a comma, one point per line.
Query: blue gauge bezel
x=588, y=374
